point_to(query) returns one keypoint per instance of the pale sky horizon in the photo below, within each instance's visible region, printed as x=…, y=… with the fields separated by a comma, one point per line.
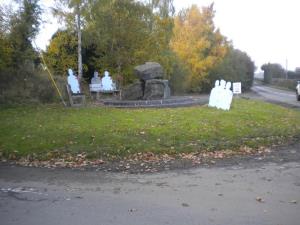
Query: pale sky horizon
x=267, y=30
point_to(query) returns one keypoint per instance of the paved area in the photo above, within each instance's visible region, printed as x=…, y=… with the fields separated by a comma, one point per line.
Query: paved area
x=283, y=97
x=250, y=190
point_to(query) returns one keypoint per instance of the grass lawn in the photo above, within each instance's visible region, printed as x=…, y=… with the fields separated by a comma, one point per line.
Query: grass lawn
x=108, y=132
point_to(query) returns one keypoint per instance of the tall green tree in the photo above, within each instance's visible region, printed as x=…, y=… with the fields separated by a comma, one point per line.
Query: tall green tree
x=24, y=26
x=74, y=21
x=119, y=31
x=17, y=30
x=236, y=66
x=273, y=70
x=120, y=34
x=61, y=53
x=161, y=27
x=5, y=48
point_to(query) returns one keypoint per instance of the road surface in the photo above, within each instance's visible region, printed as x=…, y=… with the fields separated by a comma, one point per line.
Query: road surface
x=287, y=98
x=253, y=190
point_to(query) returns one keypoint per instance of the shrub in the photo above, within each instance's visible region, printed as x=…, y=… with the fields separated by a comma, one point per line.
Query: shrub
x=289, y=84
x=28, y=85
x=237, y=66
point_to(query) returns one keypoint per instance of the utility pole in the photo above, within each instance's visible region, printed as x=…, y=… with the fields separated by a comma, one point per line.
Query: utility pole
x=286, y=68
x=79, y=42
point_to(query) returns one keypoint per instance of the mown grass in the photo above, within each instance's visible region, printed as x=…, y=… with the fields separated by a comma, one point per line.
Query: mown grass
x=106, y=132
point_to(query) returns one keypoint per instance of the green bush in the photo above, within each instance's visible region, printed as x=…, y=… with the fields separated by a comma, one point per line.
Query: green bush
x=29, y=85
x=289, y=84
x=272, y=70
x=237, y=66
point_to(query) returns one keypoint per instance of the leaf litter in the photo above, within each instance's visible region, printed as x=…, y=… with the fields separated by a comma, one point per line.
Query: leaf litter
x=146, y=162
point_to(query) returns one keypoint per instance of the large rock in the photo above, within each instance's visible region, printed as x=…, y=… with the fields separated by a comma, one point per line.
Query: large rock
x=156, y=89
x=148, y=71
x=133, y=91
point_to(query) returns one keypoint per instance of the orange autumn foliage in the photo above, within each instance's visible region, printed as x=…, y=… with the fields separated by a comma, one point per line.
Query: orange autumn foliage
x=198, y=44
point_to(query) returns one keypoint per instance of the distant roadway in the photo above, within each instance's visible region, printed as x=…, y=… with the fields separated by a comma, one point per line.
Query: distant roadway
x=284, y=97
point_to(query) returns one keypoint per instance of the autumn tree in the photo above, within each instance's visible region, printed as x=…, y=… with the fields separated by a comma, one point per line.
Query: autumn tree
x=198, y=44
x=61, y=53
x=161, y=31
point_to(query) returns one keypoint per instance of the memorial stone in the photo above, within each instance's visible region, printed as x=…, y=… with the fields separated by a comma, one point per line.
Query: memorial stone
x=151, y=85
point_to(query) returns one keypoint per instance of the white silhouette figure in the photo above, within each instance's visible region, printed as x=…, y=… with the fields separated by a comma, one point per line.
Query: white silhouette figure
x=96, y=79
x=73, y=82
x=96, y=83
x=221, y=95
x=213, y=95
x=226, y=103
x=107, y=83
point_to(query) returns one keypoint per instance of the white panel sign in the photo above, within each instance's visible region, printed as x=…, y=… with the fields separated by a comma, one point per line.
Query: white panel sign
x=96, y=87
x=237, y=88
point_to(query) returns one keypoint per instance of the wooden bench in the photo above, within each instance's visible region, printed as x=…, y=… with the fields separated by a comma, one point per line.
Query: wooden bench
x=75, y=99
x=97, y=89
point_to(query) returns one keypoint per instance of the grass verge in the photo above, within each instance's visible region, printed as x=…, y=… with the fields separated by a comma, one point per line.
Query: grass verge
x=110, y=133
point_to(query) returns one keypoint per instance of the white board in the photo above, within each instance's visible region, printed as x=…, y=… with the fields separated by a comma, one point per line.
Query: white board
x=237, y=88
x=96, y=87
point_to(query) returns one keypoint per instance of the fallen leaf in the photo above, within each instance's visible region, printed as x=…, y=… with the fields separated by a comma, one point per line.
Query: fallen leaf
x=185, y=205
x=132, y=210
x=294, y=202
x=260, y=199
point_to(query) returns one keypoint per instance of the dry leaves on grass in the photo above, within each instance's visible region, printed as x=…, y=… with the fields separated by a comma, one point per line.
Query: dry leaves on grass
x=64, y=161
x=146, y=161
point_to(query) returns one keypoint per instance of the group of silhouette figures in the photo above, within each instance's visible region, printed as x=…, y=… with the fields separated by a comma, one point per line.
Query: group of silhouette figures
x=104, y=84
x=221, y=95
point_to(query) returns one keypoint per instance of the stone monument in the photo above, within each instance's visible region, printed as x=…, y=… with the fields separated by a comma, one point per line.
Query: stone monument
x=150, y=86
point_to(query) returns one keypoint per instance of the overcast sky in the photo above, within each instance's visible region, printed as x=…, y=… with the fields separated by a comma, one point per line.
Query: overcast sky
x=268, y=30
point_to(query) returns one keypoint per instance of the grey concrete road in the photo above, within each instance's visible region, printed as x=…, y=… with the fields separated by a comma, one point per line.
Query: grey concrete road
x=277, y=95
x=252, y=190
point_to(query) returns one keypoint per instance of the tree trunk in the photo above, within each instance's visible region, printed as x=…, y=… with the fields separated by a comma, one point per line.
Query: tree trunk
x=79, y=44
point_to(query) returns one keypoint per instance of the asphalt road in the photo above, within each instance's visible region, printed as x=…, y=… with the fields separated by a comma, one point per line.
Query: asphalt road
x=251, y=190
x=262, y=190
x=286, y=98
